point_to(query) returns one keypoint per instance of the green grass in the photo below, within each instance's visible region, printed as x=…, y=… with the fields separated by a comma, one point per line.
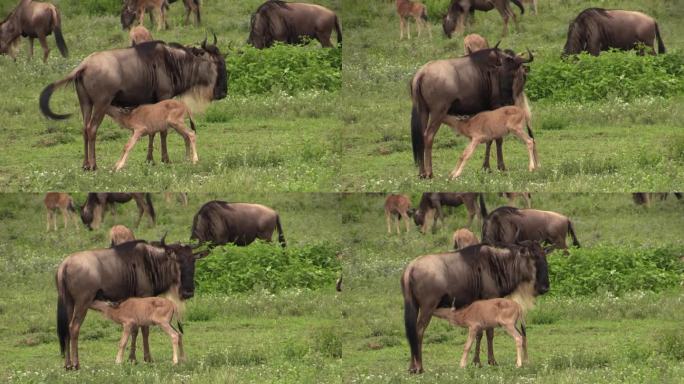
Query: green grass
x=607, y=145
x=283, y=138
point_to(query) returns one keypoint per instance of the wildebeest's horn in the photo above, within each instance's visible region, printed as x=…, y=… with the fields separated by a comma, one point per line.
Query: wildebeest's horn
x=215, y=41
x=163, y=239
x=530, y=56
x=497, y=44
x=204, y=43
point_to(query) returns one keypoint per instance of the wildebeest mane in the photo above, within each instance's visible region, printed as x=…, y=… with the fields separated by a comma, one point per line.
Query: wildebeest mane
x=493, y=226
x=583, y=27
x=263, y=22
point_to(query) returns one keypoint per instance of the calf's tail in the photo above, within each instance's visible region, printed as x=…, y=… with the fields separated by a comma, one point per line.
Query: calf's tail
x=423, y=14
x=153, y=215
x=572, y=233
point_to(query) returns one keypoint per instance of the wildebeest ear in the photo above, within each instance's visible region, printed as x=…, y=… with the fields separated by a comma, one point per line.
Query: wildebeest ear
x=201, y=254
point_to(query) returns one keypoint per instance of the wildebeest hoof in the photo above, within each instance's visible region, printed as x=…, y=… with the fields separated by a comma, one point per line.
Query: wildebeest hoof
x=492, y=362
x=415, y=370
x=148, y=359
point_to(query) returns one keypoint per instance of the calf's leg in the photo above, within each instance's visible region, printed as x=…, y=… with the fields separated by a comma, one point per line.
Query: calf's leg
x=127, y=149
x=472, y=333
x=122, y=343
x=470, y=149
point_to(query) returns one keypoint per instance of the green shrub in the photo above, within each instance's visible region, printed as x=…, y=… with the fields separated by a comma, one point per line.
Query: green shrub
x=671, y=344
x=615, y=270
x=232, y=269
x=286, y=68
x=612, y=74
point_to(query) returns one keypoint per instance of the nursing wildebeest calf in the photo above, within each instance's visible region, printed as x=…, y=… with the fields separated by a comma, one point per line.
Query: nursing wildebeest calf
x=459, y=10
x=132, y=269
x=277, y=20
x=144, y=74
x=510, y=224
x=596, y=29
x=431, y=203
x=32, y=20
x=482, y=81
x=433, y=284
x=219, y=222
x=92, y=211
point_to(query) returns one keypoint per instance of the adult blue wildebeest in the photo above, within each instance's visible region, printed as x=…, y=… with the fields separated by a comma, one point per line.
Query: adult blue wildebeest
x=482, y=81
x=597, y=29
x=32, y=20
x=219, y=222
x=92, y=211
x=433, y=202
x=459, y=10
x=144, y=74
x=510, y=224
x=432, y=284
x=276, y=20
x=131, y=269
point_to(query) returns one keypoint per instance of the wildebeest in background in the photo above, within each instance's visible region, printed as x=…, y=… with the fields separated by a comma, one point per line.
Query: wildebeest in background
x=643, y=198
x=511, y=196
x=433, y=284
x=397, y=207
x=219, y=222
x=431, y=206
x=132, y=269
x=460, y=10
x=510, y=224
x=415, y=9
x=181, y=197
x=462, y=238
x=120, y=234
x=32, y=20
x=473, y=43
x=597, y=29
x=92, y=211
x=191, y=6
x=144, y=74
x=62, y=201
x=276, y=20
x=482, y=81
x=139, y=34
x=534, y=5
x=135, y=9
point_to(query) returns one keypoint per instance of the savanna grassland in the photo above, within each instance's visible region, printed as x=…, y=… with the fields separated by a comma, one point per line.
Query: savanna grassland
x=278, y=326
x=613, y=313
x=276, y=130
x=608, y=124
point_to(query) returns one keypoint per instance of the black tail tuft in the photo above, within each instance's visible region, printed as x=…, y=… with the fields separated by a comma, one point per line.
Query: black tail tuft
x=281, y=235
x=423, y=15
x=661, y=45
x=519, y=4
x=572, y=233
x=61, y=45
x=483, y=208
x=417, y=137
x=338, y=30
x=410, y=319
x=529, y=132
x=45, y=104
x=148, y=199
x=192, y=125
x=180, y=326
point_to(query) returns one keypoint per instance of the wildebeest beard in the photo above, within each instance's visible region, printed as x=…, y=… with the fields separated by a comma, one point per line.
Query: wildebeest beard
x=264, y=24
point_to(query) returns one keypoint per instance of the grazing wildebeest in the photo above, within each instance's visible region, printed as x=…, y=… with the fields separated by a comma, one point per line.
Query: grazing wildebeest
x=92, y=211
x=597, y=29
x=62, y=201
x=473, y=43
x=482, y=81
x=191, y=6
x=399, y=207
x=459, y=10
x=143, y=312
x=510, y=224
x=139, y=34
x=487, y=126
x=219, y=222
x=462, y=238
x=120, y=234
x=133, y=9
x=150, y=119
x=433, y=284
x=487, y=314
x=32, y=20
x=415, y=9
x=132, y=269
x=276, y=20
x=431, y=205
x=643, y=198
x=144, y=74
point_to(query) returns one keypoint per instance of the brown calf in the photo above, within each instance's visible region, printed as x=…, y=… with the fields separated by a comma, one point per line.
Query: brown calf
x=486, y=314
x=120, y=234
x=407, y=9
x=399, y=206
x=133, y=9
x=152, y=118
x=463, y=238
x=63, y=202
x=139, y=34
x=142, y=312
x=473, y=43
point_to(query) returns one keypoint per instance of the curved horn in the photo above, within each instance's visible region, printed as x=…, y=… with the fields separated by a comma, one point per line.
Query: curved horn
x=204, y=43
x=530, y=56
x=214, y=33
x=497, y=44
x=163, y=239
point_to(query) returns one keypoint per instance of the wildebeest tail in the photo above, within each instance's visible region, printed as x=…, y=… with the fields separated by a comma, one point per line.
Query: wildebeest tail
x=59, y=39
x=410, y=312
x=148, y=200
x=44, y=100
x=62, y=315
x=483, y=208
x=338, y=30
x=71, y=206
x=281, y=236
x=661, y=46
x=419, y=107
x=572, y=233
x=423, y=14
x=519, y=4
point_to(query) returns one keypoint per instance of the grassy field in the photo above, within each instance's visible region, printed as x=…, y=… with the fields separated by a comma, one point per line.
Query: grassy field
x=289, y=336
x=601, y=338
x=265, y=142
x=609, y=145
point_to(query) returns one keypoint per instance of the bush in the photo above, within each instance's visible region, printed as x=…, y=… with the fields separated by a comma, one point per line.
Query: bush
x=611, y=74
x=615, y=270
x=233, y=269
x=287, y=68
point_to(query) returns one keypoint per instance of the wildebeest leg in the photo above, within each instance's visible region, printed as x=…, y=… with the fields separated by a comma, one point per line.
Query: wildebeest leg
x=424, y=318
x=134, y=336
x=80, y=310
x=43, y=43
x=435, y=121
x=150, y=148
x=164, y=148
x=147, y=356
x=472, y=332
x=485, y=163
x=499, y=155
x=405, y=216
x=86, y=111
x=388, y=219
x=127, y=148
x=467, y=153
x=476, y=357
x=69, y=307
x=490, y=347
x=64, y=216
x=324, y=38
x=98, y=114
x=30, y=48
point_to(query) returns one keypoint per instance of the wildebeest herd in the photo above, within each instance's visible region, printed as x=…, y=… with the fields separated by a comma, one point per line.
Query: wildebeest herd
x=482, y=94
x=122, y=82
